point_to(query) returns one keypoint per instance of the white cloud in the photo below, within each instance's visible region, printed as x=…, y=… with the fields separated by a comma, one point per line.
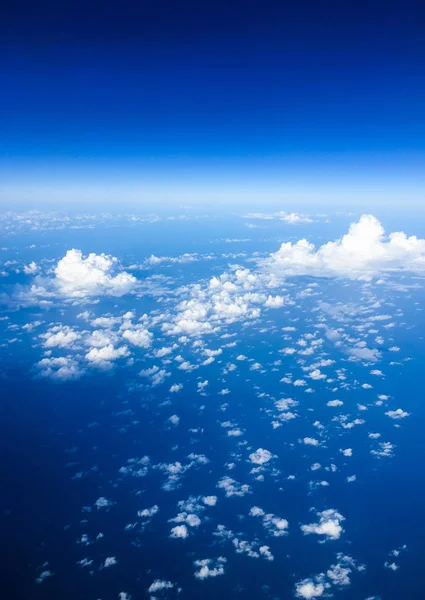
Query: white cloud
x=103, y=357
x=174, y=420
x=328, y=525
x=31, y=269
x=210, y=500
x=385, y=450
x=338, y=574
x=190, y=519
x=260, y=456
x=103, y=502
x=148, y=512
x=155, y=374
x=290, y=218
x=79, y=277
x=44, y=575
x=232, y=487
x=363, y=353
x=176, y=387
x=316, y=374
x=334, y=403
x=59, y=369
x=276, y=526
x=397, y=414
x=274, y=302
x=179, y=531
x=110, y=561
x=60, y=337
x=361, y=253
x=138, y=336
x=308, y=441
x=309, y=589
x=265, y=551
x=209, y=567
x=159, y=585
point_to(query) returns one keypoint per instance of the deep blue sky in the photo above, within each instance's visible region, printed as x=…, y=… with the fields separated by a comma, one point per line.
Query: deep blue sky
x=173, y=97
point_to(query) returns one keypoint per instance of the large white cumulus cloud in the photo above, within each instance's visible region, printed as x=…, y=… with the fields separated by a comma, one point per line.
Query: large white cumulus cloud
x=77, y=276
x=360, y=254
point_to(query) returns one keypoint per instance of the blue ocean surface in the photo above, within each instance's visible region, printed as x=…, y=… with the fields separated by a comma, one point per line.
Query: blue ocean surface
x=188, y=413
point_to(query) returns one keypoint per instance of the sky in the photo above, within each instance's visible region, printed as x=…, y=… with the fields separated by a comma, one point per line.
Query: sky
x=211, y=300
x=321, y=102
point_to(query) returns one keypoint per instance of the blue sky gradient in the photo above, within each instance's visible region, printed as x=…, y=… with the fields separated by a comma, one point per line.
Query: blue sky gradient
x=320, y=98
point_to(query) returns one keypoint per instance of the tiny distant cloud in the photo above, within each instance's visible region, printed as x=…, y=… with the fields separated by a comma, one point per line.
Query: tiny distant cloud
x=291, y=218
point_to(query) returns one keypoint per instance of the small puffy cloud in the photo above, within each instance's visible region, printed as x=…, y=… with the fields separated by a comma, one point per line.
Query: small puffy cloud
x=187, y=366
x=274, y=302
x=103, y=357
x=256, y=511
x=329, y=525
x=260, y=456
x=209, y=567
x=161, y=352
x=190, y=519
x=275, y=526
x=176, y=387
x=338, y=575
x=232, y=487
x=103, y=502
x=148, y=513
x=44, y=575
x=60, y=336
x=31, y=269
x=334, y=403
x=110, y=561
x=139, y=336
x=59, y=369
x=174, y=420
x=397, y=414
x=155, y=374
x=179, y=531
x=210, y=500
x=159, y=585
x=317, y=375
x=308, y=441
x=309, y=589
x=363, y=353
x=266, y=553
x=385, y=450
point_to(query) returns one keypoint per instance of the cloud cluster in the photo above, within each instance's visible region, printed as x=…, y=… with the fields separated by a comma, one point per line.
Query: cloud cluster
x=209, y=567
x=338, y=574
x=78, y=277
x=361, y=253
